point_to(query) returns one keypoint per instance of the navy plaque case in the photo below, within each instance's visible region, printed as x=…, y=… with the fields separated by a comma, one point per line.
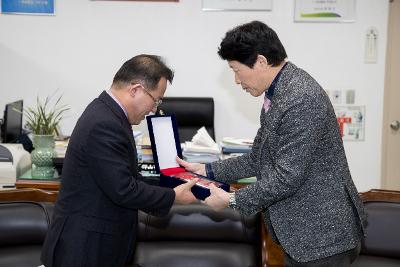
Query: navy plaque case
x=165, y=144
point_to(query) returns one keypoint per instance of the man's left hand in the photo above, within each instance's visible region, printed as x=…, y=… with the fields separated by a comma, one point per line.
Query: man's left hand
x=218, y=199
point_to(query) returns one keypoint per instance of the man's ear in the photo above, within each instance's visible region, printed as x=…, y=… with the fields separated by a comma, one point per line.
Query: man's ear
x=263, y=61
x=133, y=89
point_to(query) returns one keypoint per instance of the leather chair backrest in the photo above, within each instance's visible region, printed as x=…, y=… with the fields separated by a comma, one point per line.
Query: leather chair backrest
x=23, y=223
x=195, y=235
x=199, y=223
x=191, y=113
x=383, y=229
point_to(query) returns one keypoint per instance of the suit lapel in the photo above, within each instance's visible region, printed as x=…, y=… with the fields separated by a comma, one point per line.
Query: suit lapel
x=119, y=113
x=269, y=120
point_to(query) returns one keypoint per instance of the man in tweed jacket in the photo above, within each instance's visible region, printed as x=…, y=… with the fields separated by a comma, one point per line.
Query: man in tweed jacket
x=304, y=188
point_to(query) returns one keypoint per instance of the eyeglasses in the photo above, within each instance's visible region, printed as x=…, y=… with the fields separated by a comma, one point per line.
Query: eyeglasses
x=156, y=102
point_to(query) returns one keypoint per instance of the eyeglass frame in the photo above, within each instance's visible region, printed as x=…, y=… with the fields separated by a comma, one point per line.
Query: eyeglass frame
x=156, y=102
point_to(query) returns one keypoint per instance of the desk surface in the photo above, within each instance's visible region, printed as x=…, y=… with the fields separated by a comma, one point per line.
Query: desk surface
x=26, y=181
x=28, y=176
x=52, y=185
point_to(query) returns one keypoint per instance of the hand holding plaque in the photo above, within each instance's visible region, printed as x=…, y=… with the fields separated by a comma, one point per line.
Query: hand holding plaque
x=183, y=193
x=218, y=199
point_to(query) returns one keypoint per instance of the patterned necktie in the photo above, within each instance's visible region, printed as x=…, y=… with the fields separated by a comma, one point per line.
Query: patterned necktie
x=267, y=104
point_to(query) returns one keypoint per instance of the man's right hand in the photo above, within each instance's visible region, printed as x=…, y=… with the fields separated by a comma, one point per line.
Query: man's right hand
x=183, y=193
x=192, y=167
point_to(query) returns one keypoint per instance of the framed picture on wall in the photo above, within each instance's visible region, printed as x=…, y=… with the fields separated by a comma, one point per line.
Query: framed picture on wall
x=236, y=5
x=32, y=7
x=325, y=11
x=142, y=0
x=351, y=120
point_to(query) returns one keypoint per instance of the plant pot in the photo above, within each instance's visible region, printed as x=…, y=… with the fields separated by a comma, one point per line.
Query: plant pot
x=42, y=157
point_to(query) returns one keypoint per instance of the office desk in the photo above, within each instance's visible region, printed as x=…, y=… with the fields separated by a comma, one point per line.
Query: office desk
x=49, y=185
x=26, y=181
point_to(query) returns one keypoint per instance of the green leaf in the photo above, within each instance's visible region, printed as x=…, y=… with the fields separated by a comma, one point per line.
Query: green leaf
x=44, y=119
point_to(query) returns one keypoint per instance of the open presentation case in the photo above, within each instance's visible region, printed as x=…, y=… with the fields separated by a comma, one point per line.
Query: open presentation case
x=165, y=144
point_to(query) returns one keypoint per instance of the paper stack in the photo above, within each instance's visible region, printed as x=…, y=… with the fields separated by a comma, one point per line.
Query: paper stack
x=61, y=148
x=202, y=148
x=236, y=145
x=144, y=149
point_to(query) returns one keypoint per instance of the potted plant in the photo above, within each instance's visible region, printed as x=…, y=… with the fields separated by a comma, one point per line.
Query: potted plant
x=43, y=121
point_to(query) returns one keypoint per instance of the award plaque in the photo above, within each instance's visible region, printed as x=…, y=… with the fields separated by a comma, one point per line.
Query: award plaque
x=166, y=147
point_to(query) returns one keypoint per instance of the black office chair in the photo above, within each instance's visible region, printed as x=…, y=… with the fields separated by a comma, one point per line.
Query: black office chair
x=191, y=114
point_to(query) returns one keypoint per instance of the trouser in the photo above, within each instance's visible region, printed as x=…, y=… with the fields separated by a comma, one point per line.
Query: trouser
x=343, y=259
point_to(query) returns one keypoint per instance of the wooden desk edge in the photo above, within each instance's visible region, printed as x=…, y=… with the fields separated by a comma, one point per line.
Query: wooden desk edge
x=28, y=194
x=39, y=184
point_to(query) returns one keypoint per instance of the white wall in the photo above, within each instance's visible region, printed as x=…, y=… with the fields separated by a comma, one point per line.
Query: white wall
x=79, y=50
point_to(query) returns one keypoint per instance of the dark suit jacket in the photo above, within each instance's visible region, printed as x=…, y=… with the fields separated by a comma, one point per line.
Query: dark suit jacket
x=95, y=219
x=304, y=186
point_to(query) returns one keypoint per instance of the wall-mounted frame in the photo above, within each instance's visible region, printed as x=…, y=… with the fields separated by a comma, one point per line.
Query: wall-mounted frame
x=32, y=7
x=141, y=0
x=325, y=10
x=351, y=120
x=236, y=5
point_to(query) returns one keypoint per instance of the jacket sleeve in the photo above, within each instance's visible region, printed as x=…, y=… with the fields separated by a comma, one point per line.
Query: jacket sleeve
x=109, y=165
x=297, y=137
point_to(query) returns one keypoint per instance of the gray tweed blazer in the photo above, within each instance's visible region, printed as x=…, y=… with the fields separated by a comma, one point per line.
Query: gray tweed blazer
x=304, y=187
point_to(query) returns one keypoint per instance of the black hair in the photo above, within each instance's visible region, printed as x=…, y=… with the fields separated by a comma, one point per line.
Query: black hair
x=245, y=42
x=148, y=69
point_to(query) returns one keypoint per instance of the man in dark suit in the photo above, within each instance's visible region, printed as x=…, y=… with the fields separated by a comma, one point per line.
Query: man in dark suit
x=96, y=213
x=304, y=188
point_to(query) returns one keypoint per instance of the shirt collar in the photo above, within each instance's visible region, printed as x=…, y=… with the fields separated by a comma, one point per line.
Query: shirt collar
x=269, y=93
x=117, y=101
